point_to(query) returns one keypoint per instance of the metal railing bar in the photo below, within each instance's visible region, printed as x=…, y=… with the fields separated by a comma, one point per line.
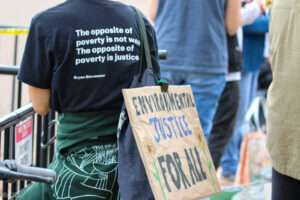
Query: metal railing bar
x=38, y=126
x=12, y=27
x=9, y=70
x=14, y=80
x=5, y=186
x=45, y=134
x=19, y=95
x=12, y=154
x=52, y=135
x=18, y=115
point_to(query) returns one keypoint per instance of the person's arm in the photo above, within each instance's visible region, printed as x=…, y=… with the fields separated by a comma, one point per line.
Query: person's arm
x=153, y=5
x=40, y=99
x=233, y=16
x=36, y=69
x=153, y=46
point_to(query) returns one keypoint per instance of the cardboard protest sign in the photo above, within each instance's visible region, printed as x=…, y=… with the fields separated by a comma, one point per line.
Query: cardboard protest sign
x=169, y=137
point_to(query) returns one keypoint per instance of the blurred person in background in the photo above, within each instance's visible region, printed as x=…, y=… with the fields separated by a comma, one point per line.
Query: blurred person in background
x=194, y=33
x=283, y=126
x=253, y=57
x=225, y=118
x=67, y=68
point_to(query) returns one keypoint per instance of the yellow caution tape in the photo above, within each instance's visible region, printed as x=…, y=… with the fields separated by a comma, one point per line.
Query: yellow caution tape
x=13, y=31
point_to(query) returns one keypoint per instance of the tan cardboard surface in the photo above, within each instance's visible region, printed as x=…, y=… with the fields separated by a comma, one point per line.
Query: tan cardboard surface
x=167, y=130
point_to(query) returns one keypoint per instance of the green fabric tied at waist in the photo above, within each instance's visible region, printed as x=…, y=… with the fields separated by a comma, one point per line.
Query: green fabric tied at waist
x=75, y=128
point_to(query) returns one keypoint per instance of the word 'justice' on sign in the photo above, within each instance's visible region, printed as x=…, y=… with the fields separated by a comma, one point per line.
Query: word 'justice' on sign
x=170, y=140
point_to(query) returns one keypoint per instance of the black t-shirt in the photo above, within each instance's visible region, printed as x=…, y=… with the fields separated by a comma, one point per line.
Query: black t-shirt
x=85, y=51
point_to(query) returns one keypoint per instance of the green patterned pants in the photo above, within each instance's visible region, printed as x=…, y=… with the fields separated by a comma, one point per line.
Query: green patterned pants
x=89, y=173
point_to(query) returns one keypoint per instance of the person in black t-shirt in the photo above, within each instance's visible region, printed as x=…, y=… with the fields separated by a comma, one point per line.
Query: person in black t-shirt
x=78, y=57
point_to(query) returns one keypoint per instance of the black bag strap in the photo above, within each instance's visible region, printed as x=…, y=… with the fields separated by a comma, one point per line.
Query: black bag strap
x=144, y=39
x=145, y=48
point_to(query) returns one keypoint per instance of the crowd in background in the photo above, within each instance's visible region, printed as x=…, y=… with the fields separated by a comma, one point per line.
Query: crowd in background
x=217, y=47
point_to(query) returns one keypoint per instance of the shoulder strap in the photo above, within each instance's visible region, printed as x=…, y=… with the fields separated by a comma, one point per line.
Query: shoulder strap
x=144, y=39
x=146, y=51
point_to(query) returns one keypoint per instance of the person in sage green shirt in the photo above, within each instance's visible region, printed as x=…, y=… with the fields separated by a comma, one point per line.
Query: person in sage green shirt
x=283, y=124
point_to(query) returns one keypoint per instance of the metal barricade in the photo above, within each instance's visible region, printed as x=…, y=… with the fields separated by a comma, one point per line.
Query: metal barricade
x=16, y=32
x=13, y=129
x=42, y=131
